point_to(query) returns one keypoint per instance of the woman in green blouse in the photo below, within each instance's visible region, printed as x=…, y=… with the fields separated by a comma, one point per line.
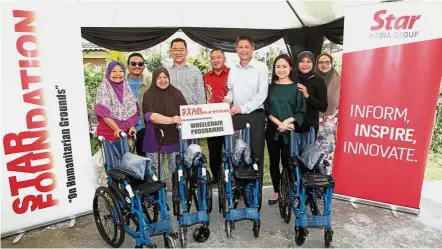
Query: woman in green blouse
x=284, y=106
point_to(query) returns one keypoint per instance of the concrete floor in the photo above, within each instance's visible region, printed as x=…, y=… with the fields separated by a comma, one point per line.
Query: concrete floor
x=365, y=226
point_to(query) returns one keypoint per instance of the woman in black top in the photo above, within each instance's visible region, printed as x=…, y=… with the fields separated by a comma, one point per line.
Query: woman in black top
x=284, y=106
x=314, y=90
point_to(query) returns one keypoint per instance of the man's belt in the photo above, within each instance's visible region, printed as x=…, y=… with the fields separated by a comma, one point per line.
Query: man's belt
x=257, y=111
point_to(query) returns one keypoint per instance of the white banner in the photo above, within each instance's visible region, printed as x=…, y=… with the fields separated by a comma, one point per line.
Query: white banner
x=45, y=142
x=207, y=120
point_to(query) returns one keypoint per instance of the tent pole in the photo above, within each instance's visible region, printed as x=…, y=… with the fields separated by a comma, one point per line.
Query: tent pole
x=296, y=14
x=288, y=49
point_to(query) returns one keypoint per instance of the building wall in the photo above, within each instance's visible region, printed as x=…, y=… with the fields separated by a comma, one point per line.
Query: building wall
x=94, y=61
x=96, y=57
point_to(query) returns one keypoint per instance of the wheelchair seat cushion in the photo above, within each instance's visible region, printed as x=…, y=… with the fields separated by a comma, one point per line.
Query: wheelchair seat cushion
x=317, y=180
x=246, y=173
x=192, y=155
x=312, y=157
x=147, y=187
x=241, y=152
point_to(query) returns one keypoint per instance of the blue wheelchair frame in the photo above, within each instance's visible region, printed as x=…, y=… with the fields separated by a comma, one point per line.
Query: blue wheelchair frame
x=252, y=210
x=202, y=179
x=132, y=207
x=298, y=191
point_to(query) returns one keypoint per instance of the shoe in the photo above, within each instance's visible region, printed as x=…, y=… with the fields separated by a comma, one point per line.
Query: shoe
x=273, y=200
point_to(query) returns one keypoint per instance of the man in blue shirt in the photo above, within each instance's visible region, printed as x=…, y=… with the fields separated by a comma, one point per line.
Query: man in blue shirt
x=139, y=85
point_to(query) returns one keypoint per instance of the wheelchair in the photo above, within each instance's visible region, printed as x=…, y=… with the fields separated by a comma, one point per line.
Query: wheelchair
x=241, y=180
x=301, y=186
x=191, y=181
x=128, y=204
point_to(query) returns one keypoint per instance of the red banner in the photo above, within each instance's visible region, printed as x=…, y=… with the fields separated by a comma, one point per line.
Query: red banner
x=388, y=101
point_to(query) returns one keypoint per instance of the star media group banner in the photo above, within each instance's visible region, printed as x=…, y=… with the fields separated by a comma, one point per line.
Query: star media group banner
x=207, y=120
x=44, y=128
x=390, y=84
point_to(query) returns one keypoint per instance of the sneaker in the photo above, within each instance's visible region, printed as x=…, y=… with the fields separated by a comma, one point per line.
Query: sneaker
x=274, y=199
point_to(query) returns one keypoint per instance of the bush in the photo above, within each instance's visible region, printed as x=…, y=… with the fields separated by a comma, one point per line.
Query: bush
x=436, y=141
x=93, y=76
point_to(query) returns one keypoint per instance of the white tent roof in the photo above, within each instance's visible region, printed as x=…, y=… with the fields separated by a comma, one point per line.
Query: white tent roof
x=270, y=14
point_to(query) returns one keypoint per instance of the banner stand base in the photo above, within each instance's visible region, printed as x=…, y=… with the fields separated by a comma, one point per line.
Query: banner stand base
x=377, y=204
x=52, y=222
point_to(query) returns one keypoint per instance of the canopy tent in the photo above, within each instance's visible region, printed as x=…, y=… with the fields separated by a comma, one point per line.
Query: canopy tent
x=132, y=26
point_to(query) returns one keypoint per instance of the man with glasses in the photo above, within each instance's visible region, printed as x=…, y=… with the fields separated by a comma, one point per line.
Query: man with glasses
x=139, y=85
x=186, y=77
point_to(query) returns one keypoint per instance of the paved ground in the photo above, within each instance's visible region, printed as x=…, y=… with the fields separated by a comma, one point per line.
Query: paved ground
x=365, y=226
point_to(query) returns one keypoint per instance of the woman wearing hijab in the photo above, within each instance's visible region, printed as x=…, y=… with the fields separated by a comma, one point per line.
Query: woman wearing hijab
x=161, y=106
x=116, y=106
x=328, y=120
x=284, y=106
x=314, y=90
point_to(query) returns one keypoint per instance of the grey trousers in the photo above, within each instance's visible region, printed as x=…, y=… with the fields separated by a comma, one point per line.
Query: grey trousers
x=170, y=165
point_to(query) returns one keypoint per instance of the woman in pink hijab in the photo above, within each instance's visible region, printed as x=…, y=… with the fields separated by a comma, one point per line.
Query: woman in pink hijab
x=116, y=106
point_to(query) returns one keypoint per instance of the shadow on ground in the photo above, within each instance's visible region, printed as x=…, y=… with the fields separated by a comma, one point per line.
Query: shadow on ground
x=365, y=226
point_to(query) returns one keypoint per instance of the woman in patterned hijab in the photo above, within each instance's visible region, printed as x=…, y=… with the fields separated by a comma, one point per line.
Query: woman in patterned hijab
x=116, y=106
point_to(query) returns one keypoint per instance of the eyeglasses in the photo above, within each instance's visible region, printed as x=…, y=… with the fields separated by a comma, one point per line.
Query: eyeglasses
x=134, y=64
x=180, y=50
x=324, y=62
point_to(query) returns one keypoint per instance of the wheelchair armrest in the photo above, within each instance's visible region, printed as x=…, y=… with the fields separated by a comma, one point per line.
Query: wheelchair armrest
x=117, y=175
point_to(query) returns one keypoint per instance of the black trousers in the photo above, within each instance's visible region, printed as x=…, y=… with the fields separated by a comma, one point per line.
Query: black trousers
x=139, y=143
x=215, y=145
x=257, y=133
x=279, y=153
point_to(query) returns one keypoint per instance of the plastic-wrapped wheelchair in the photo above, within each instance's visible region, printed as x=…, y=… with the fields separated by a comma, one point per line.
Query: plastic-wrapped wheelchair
x=303, y=183
x=191, y=182
x=241, y=180
x=134, y=201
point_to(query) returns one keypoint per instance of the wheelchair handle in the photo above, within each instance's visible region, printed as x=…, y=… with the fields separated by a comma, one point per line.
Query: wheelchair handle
x=122, y=134
x=133, y=134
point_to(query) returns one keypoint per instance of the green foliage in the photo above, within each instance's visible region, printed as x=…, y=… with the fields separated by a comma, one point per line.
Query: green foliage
x=201, y=60
x=154, y=60
x=93, y=76
x=436, y=142
x=116, y=55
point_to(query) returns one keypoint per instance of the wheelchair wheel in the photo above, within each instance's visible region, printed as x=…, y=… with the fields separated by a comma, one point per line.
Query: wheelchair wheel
x=209, y=198
x=328, y=237
x=228, y=229
x=175, y=195
x=256, y=228
x=284, y=197
x=300, y=235
x=222, y=197
x=201, y=233
x=169, y=242
x=182, y=234
x=108, y=217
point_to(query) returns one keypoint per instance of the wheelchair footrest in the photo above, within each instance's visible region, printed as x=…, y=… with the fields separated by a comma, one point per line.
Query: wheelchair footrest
x=316, y=181
x=315, y=221
x=194, y=218
x=244, y=214
x=160, y=227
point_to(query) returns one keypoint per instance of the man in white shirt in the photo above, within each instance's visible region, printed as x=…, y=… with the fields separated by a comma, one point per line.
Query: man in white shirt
x=248, y=85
